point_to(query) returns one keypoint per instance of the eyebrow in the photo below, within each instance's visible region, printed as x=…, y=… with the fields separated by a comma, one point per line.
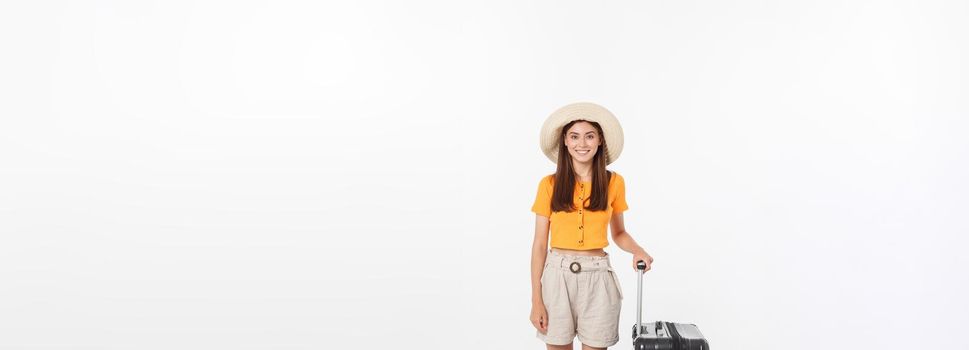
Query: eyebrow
x=573, y=132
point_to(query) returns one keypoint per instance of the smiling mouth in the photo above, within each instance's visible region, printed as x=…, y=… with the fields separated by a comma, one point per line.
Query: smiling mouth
x=582, y=152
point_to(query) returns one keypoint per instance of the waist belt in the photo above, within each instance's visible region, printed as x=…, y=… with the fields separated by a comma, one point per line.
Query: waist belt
x=578, y=264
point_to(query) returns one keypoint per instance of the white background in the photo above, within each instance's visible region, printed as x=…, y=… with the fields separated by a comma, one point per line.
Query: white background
x=358, y=175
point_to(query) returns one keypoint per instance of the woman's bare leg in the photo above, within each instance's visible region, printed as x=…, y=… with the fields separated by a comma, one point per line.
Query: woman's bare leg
x=559, y=347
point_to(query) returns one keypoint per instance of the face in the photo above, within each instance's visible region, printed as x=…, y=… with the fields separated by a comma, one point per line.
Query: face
x=582, y=140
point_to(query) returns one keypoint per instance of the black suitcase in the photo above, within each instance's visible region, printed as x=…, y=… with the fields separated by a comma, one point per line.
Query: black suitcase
x=661, y=335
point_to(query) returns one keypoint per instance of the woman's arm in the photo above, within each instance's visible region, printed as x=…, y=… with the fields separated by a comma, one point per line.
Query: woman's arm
x=539, y=252
x=626, y=242
x=539, y=316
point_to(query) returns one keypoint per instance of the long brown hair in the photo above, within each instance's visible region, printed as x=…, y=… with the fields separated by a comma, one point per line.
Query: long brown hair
x=565, y=180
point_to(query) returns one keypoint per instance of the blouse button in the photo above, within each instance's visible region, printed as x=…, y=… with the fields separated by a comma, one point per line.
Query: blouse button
x=580, y=227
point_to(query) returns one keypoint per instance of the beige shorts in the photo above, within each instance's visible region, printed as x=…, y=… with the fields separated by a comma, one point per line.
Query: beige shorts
x=584, y=303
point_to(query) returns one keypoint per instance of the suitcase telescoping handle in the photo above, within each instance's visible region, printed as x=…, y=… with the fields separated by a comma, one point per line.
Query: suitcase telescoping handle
x=641, y=266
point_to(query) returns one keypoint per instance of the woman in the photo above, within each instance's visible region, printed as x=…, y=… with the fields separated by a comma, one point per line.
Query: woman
x=574, y=289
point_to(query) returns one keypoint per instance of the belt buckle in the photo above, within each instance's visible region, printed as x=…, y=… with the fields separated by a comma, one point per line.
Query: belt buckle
x=575, y=267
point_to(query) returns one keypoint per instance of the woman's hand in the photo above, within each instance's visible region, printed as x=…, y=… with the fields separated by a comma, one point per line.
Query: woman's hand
x=641, y=255
x=539, y=317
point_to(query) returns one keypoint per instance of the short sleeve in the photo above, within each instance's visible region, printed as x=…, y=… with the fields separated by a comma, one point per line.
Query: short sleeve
x=619, y=203
x=543, y=198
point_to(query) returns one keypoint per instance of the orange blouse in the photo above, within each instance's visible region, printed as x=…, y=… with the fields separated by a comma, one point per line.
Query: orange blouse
x=581, y=229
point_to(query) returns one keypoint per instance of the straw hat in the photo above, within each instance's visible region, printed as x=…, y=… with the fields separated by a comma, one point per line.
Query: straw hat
x=611, y=129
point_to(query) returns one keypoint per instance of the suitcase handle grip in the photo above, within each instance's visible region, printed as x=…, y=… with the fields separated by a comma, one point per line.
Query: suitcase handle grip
x=641, y=265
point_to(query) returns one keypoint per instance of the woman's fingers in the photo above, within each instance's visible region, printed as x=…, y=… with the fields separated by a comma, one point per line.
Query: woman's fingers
x=648, y=261
x=541, y=323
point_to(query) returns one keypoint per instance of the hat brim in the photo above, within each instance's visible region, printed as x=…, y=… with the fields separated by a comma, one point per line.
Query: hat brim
x=611, y=130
